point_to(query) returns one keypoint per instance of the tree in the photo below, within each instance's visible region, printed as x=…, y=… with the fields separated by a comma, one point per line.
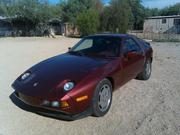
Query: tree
x=28, y=14
x=172, y=10
x=6, y=7
x=116, y=17
x=71, y=8
x=97, y=5
x=139, y=14
x=2, y=10
x=88, y=22
x=152, y=12
x=105, y=19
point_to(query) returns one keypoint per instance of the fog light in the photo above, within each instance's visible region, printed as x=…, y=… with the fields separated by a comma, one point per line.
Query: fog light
x=46, y=103
x=55, y=104
x=64, y=104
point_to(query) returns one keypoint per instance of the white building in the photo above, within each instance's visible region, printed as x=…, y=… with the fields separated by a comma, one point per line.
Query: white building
x=162, y=24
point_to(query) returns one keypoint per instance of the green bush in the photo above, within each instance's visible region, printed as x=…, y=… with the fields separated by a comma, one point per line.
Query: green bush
x=88, y=22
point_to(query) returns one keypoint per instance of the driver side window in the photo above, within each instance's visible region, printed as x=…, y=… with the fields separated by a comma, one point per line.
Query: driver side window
x=130, y=45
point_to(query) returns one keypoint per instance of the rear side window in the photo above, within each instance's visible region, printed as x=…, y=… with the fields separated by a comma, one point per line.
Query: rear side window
x=130, y=45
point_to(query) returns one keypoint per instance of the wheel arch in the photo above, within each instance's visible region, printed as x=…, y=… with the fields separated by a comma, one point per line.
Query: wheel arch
x=112, y=82
x=151, y=59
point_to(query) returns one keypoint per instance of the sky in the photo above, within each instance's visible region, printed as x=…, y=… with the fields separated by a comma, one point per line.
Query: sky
x=159, y=3
x=146, y=3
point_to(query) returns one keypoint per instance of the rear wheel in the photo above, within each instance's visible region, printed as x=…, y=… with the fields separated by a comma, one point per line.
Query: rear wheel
x=102, y=98
x=146, y=73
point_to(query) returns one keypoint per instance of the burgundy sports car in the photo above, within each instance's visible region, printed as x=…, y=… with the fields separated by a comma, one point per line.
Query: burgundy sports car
x=81, y=81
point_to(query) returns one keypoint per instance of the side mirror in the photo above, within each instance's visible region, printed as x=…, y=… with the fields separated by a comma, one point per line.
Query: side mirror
x=69, y=48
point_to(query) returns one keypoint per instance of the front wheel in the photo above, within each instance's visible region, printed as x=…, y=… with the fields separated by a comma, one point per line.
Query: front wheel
x=102, y=98
x=146, y=73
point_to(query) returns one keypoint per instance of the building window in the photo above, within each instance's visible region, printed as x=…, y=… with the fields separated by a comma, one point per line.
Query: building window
x=163, y=20
x=176, y=21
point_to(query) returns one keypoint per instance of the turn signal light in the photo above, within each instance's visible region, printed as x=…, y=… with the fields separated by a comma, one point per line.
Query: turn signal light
x=81, y=98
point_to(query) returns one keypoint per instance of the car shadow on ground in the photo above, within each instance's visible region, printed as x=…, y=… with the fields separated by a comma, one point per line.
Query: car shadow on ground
x=44, y=112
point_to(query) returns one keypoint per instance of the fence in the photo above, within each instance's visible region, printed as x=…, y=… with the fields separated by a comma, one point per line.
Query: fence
x=156, y=36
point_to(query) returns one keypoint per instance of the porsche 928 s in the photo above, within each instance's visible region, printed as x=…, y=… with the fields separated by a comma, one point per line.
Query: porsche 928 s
x=83, y=79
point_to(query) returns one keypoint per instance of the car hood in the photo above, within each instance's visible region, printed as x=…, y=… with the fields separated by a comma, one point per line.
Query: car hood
x=49, y=73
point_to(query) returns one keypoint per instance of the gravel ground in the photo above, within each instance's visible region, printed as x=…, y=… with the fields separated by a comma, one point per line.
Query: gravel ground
x=139, y=108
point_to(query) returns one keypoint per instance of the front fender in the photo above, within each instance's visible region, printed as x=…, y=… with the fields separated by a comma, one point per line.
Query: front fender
x=87, y=86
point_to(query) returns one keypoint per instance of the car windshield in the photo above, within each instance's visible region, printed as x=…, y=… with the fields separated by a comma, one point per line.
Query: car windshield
x=98, y=46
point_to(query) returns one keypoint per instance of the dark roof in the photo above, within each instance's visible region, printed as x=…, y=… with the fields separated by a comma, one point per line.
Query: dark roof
x=161, y=17
x=111, y=35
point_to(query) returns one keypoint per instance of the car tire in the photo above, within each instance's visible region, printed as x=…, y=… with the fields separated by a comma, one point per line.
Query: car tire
x=146, y=73
x=102, y=98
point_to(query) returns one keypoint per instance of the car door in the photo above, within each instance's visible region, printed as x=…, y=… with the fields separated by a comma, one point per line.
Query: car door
x=132, y=59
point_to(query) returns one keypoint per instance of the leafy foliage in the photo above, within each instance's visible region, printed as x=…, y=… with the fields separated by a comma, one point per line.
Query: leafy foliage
x=72, y=8
x=152, y=12
x=28, y=14
x=139, y=14
x=172, y=10
x=88, y=22
x=118, y=16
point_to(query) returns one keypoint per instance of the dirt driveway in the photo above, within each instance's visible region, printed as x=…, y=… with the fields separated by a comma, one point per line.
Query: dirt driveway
x=138, y=108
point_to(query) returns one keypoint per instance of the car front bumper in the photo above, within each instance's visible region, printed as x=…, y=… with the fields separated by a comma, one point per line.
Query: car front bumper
x=49, y=112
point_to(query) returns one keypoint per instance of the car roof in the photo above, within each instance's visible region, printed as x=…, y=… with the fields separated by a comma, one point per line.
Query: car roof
x=111, y=35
